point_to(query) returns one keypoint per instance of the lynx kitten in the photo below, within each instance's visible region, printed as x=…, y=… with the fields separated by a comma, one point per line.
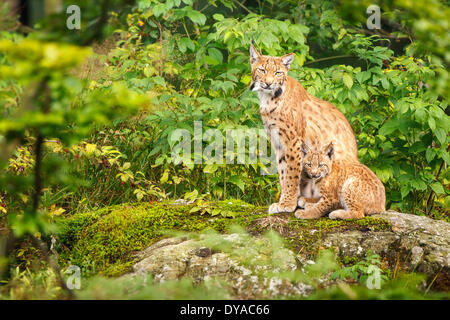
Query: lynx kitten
x=348, y=190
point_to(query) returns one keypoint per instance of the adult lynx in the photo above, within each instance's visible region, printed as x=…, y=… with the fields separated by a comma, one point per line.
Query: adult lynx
x=350, y=187
x=290, y=114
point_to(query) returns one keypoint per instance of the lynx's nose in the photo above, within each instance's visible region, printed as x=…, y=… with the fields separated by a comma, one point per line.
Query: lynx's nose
x=315, y=175
x=269, y=81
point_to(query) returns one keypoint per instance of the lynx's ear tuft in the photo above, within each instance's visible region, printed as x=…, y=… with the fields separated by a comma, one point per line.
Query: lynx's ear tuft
x=287, y=60
x=254, y=54
x=329, y=151
x=305, y=148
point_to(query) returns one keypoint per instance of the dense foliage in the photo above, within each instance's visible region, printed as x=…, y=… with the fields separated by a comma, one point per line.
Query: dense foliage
x=82, y=130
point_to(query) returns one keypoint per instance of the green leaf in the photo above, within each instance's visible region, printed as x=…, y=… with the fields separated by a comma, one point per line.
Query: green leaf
x=437, y=188
x=404, y=190
x=218, y=17
x=430, y=154
x=185, y=43
x=418, y=184
x=404, y=125
x=362, y=76
x=348, y=80
x=196, y=16
x=195, y=209
x=440, y=135
x=237, y=180
x=445, y=156
x=215, y=54
x=385, y=83
x=159, y=9
x=159, y=80
x=432, y=123
x=210, y=168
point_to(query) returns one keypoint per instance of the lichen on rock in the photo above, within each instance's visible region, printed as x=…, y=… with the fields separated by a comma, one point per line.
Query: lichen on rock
x=171, y=259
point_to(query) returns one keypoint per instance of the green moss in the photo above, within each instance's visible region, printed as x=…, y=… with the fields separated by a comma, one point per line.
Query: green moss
x=104, y=241
x=306, y=236
x=374, y=224
x=328, y=224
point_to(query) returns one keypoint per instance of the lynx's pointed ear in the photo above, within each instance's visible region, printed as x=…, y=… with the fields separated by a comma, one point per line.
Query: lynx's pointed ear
x=254, y=54
x=305, y=148
x=287, y=60
x=329, y=150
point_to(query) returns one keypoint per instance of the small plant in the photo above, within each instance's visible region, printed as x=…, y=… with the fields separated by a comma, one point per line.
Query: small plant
x=361, y=271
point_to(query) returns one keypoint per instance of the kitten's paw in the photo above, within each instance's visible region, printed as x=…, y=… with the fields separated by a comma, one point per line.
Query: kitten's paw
x=304, y=214
x=303, y=204
x=279, y=208
x=343, y=214
x=338, y=214
x=299, y=213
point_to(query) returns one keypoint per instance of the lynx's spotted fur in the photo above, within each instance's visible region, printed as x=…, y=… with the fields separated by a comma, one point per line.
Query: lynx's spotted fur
x=290, y=114
x=349, y=188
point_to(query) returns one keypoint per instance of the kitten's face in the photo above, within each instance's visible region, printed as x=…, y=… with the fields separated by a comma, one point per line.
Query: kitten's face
x=269, y=74
x=317, y=162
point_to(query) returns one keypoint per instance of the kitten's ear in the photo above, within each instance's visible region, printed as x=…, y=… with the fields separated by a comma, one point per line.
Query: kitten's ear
x=329, y=151
x=254, y=54
x=287, y=60
x=305, y=148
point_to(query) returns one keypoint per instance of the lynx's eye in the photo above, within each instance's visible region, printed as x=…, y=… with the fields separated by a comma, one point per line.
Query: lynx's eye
x=279, y=73
x=308, y=164
x=321, y=165
x=262, y=70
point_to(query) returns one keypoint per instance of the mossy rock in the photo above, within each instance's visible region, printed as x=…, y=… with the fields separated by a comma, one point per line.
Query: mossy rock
x=104, y=241
x=307, y=236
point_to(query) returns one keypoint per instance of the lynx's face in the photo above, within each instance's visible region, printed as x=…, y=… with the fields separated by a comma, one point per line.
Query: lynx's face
x=317, y=162
x=269, y=74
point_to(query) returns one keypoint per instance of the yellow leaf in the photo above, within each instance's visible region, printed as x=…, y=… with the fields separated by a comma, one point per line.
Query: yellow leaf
x=57, y=211
x=126, y=165
x=165, y=177
x=90, y=148
x=23, y=197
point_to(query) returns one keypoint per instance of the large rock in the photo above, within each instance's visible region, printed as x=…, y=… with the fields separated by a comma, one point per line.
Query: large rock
x=405, y=242
x=414, y=243
x=173, y=258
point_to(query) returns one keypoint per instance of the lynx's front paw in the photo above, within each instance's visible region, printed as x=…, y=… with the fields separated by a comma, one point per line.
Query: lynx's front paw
x=342, y=214
x=337, y=214
x=299, y=213
x=278, y=208
x=307, y=214
x=302, y=203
